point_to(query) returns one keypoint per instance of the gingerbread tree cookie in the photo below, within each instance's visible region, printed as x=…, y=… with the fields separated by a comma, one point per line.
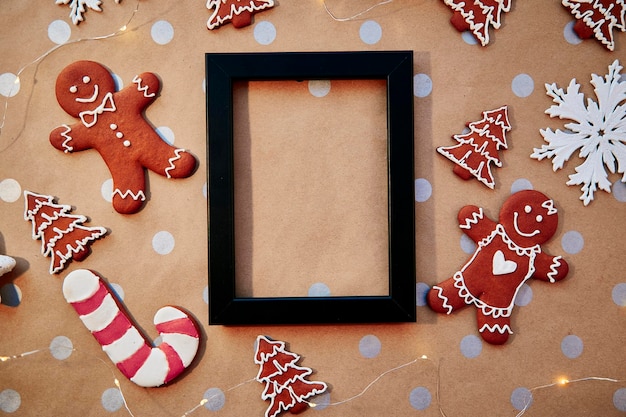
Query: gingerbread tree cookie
x=478, y=149
x=598, y=18
x=285, y=382
x=237, y=12
x=113, y=124
x=63, y=236
x=508, y=254
x=478, y=16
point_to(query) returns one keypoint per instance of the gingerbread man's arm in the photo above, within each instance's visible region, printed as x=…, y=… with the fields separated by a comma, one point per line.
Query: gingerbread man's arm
x=474, y=223
x=141, y=92
x=550, y=268
x=72, y=138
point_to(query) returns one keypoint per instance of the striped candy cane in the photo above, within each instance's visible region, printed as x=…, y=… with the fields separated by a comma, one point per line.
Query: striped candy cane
x=133, y=353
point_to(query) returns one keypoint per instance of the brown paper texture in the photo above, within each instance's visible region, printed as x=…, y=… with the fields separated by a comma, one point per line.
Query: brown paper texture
x=318, y=165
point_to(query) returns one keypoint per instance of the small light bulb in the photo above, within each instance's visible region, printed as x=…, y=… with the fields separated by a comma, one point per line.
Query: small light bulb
x=204, y=401
x=423, y=357
x=563, y=381
x=123, y=28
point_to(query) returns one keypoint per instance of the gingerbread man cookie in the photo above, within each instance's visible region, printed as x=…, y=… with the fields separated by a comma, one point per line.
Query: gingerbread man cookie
x=113, y=123
x=508, y=254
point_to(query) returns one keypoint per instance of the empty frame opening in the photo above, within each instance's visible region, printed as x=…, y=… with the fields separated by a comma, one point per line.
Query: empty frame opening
x=311, y=188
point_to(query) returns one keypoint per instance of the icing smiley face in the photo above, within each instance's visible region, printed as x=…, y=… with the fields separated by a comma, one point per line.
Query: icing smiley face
x=82, y=86
x=529, y=218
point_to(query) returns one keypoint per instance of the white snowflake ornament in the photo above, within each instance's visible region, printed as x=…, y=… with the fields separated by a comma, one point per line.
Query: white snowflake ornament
x=597, y=131
x=78, y=7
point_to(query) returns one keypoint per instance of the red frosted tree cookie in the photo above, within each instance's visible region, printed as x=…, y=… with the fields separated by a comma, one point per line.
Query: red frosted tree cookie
x=237, y=12
x=478, y=16
x=508, y=254
x=598, y=18
x=113, y=123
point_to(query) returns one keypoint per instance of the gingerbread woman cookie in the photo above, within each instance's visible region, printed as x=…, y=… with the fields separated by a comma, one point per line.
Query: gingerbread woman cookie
x=113, y=123
x=508, y=254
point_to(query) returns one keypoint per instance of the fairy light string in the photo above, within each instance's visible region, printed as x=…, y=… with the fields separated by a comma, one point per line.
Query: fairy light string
x=120, y=31
x=562, y=382
x=357, y=15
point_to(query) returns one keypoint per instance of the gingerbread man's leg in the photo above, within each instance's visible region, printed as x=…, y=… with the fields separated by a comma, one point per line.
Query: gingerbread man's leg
x=167, y=160
x=493, y=330
x=129, y=186
x=444, y=297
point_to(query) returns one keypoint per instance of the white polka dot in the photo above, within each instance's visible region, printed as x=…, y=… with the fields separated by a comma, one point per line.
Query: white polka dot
x=9, y=84
x=166, y=134
x=520, y=185
x=369, y=346
x=59, y=32
x=522, y=85
x=423, y=190
x=471, y=346
x=215, y=399
x=162, y=32
x=619, y=191
x=370, y=32
x=570, y=35
x=469, y=38
x=10, y=295
x=572, y=242
x=10, y=190
x=422, y=85
x=319, y=289
x=205, y=294
x=163, y=242
x=264, y=33
x=158, y=340
x=119, y=83
x=572, y=346
x=524, y=296
x=619, y=399
x=119, y=291
x=421, y=291
x=467, y=245
x=61, y=348
x=619, y=294
x=321, y=401
x=521, y=398
x=420, y=398
x=112, y=400
x=319, y=88
x=106, y=190
x=10, y=401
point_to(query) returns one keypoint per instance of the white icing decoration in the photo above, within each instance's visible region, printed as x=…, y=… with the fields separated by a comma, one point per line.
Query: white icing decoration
x=90, y=117
x=153, y=371
x=186, y=346
x=549, y=205
x=68, y=138
x=171, y=161
x=443, y=298
x=144, y=89
x=89, y=99
x=126, y=346
x=496, y=327
x=166, y=314
x=79, y=285
x=113, y=126
x=126, y=143
x=102, y=316
x=517, y=229
x=476, y=216
x=469, y=298
x=556, y=262
x=138, y=196
x=502, y=266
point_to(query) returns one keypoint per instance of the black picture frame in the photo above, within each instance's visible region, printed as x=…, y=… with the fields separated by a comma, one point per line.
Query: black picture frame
x=222, y=70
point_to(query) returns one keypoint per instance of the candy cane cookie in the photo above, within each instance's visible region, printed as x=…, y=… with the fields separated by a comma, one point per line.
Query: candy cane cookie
x=130, y=350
